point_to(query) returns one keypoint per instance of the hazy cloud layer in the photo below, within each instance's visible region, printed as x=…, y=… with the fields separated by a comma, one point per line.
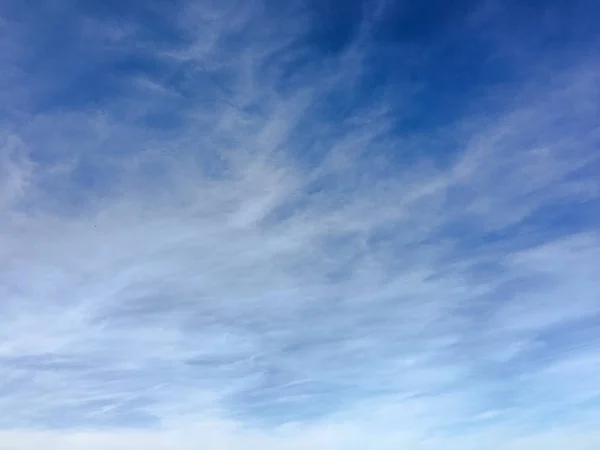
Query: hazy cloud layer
x=228, y=224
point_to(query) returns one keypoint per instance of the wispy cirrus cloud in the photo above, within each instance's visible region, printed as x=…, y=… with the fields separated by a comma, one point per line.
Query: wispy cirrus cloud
x=222, y=224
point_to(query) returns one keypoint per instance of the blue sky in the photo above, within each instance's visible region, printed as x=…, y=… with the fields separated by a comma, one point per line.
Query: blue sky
x=309, y=224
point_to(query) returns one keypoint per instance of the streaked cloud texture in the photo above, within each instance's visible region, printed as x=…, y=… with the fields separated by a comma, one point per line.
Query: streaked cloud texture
x=307, y=224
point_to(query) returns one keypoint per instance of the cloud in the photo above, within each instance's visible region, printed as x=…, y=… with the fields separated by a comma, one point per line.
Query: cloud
x=217, y=233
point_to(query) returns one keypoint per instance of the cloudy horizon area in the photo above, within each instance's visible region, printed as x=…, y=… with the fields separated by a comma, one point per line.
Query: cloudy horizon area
x=322, y=224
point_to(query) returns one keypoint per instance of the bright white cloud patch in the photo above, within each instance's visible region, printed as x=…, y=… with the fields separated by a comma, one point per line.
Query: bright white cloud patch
x=223, y=238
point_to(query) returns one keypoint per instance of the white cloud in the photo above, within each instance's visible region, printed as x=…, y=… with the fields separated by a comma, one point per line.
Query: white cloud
x=251, y=277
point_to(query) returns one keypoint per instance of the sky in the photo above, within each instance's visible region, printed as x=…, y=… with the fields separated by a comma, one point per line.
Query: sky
x=323, y=224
